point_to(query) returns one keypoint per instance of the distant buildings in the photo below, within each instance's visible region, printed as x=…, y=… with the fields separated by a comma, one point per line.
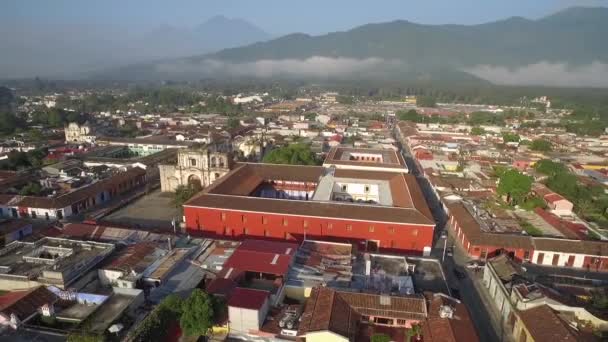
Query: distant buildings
x=71, y=196
x=75, y=133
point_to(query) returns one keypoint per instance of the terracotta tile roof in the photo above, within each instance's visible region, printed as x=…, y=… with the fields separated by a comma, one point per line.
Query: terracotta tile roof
x=232, y=193
x=411, y=308
x=77, y=195
x=25, y=303
x=455, y=329
x=339, y=312
x=340, y=210
x=544, y=325
x=325, y=310
x=248, y=298
x=476, y=236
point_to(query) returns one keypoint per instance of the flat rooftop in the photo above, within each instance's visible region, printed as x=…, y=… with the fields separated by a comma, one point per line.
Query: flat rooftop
x=316, y=191
x=30, y=259
x=371, y=158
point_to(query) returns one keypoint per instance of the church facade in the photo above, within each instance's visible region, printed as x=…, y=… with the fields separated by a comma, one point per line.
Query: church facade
x=199, y=167
x=75, y=133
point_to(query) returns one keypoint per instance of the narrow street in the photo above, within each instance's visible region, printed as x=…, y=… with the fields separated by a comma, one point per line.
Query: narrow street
x=485, y=319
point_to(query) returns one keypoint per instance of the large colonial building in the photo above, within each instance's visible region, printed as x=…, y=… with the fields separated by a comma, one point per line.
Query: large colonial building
x=195, y=166
x=75, y=133
x=376, y=209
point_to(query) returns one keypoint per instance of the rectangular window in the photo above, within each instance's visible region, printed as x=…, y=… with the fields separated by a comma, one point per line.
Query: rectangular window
x=192, y=162
x=371, y=229
x=285, y=223
x=415, y=232
x=349, y=227
x=246, y=231
x=223, y=216
x=243, y=218
x=391, y=230
x=266, y=233
x=264, y=220
x=330, y=226
x=305, y=223
x=344, y=188
x=366, y=189
x=526, y=255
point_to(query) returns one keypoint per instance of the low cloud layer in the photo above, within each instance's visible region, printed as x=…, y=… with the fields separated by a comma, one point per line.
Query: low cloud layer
x=312, y=67
x=546, y=73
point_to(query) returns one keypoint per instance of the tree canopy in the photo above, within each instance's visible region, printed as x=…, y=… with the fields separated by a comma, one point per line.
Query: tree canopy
x=295, y=154
x=549, y=167
x=477, y=131
x=183, y=193
x=541, y=145
x=514, y=185
x=510, y=137
x=197, y=314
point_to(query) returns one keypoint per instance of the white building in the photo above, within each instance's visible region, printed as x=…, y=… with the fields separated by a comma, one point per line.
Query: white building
x=75, y=133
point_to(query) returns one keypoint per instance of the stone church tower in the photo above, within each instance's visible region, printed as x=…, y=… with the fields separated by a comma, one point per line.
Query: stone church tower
x=195, y=166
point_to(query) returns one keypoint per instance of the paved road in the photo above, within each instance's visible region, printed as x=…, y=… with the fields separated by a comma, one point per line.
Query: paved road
x=479, y=307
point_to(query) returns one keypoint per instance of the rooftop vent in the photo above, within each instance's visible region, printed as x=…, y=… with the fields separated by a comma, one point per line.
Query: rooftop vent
x=446, y=311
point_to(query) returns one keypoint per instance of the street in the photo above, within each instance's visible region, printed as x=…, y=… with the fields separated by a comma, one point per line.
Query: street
x=485, y=319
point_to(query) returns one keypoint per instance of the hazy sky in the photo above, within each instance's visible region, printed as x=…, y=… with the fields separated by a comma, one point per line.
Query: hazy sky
x=274, y=16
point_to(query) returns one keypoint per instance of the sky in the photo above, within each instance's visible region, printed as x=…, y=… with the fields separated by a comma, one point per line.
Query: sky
x=66, y=38
x=274, y=16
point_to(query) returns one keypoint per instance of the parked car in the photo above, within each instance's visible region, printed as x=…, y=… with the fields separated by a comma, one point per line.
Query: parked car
x=475, y=264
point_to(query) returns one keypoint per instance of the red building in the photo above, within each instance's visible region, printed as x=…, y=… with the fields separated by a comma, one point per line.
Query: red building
x=481, y=243
x=376, y=209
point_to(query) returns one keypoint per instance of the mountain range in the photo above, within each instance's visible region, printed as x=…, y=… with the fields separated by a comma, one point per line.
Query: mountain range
x=567, y=48
x=63, y=50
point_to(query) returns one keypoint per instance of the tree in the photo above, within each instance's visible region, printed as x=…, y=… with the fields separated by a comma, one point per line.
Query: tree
x=477, y=131
x=510, y=137
x=540, y=145
x=514, y=185
x=345, y=99
x=197, y=314
x=410, y=115
x=295, y=154
x=380, y=338
x=549, y=167
x=184, y=192
x=426, y=101
x=311, y=116
x=56, y=117
x=31, y=189
x=8, y=123
x=233, y=123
